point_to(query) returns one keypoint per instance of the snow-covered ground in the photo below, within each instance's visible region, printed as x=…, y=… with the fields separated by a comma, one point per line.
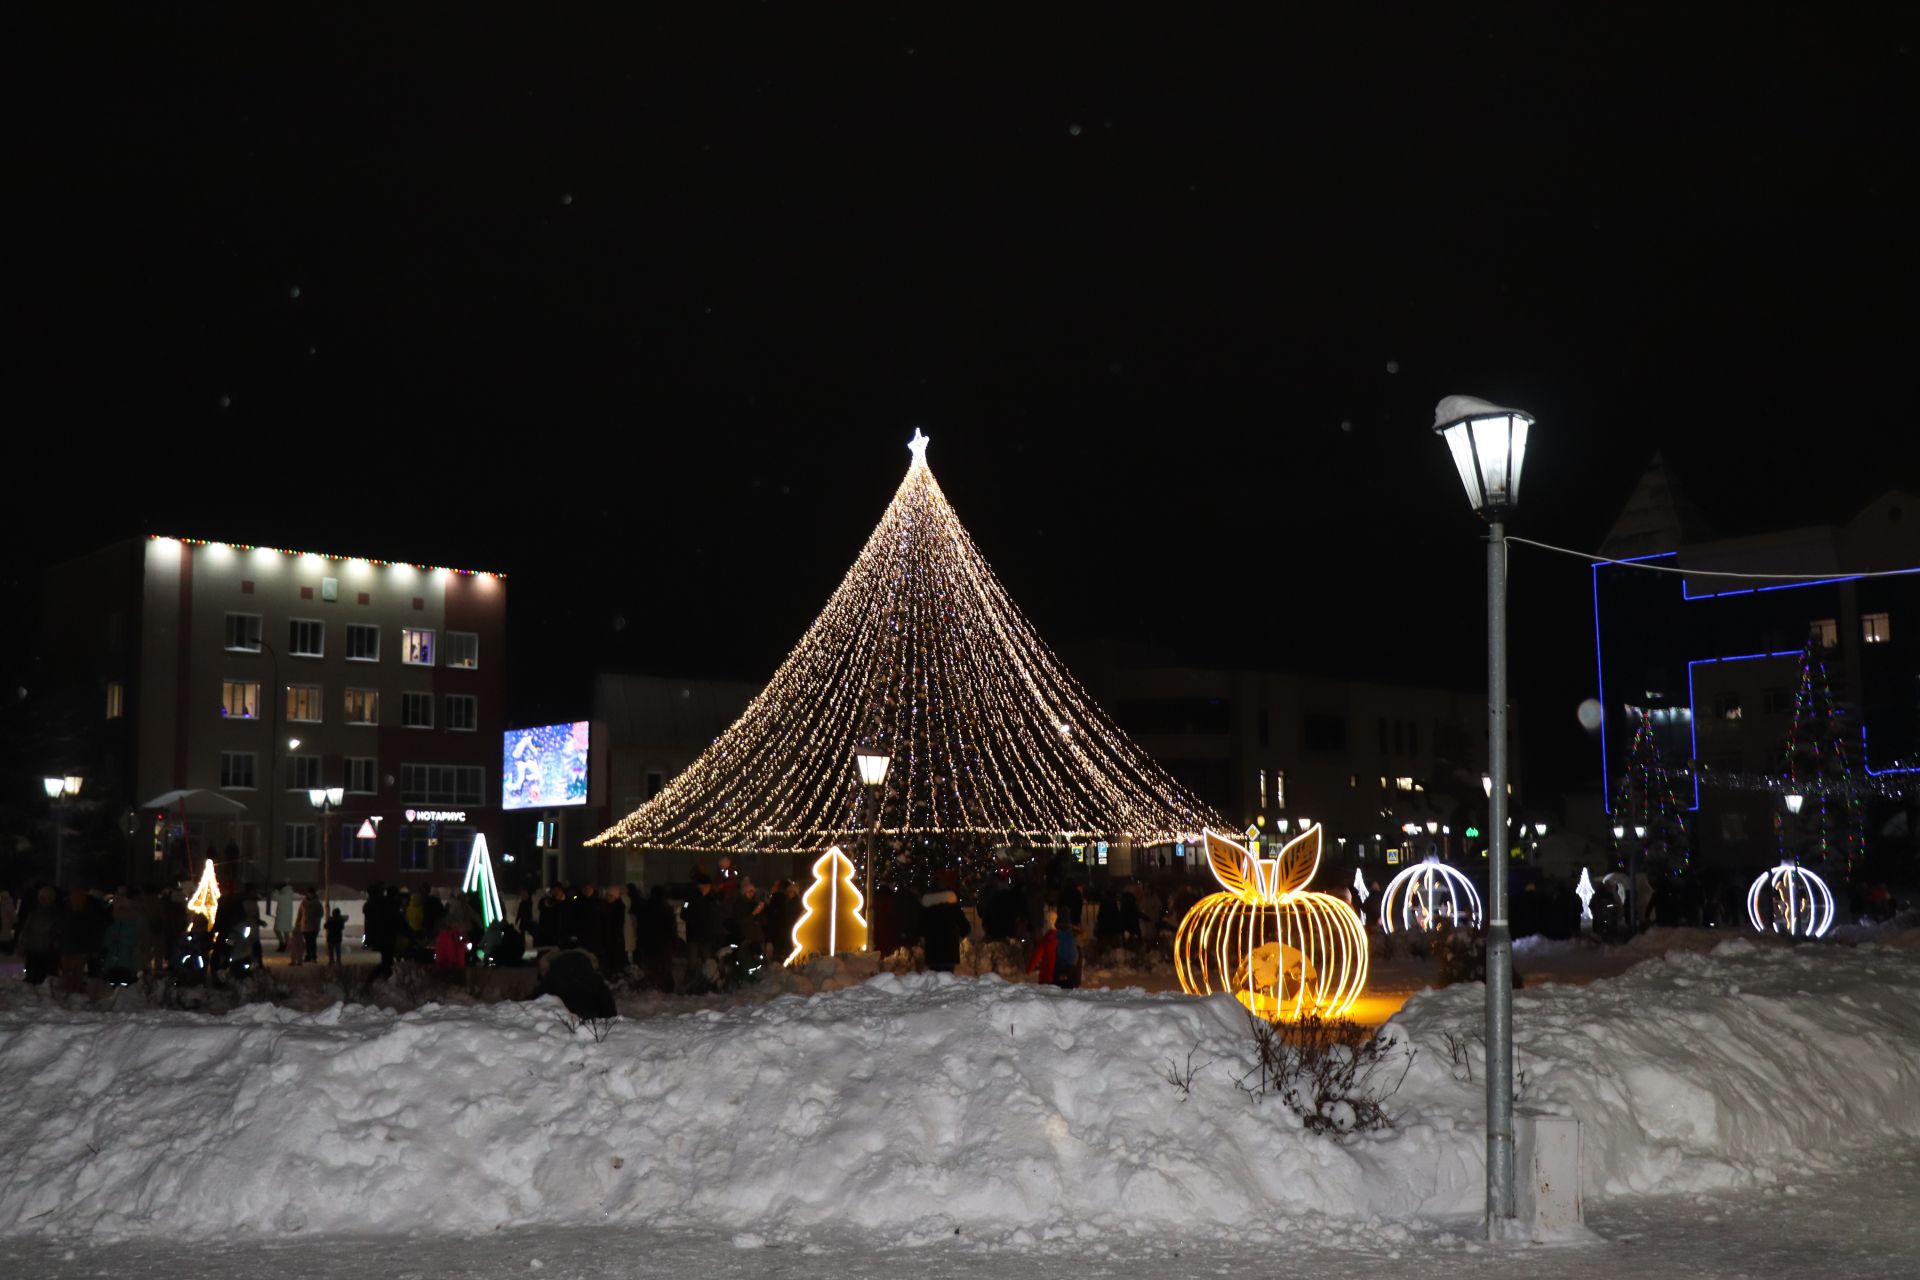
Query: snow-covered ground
x=910, y=1110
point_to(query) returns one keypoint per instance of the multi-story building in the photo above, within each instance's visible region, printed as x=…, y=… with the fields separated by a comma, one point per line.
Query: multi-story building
x=236, y=679
x=1367, y=761
x=1716, y=660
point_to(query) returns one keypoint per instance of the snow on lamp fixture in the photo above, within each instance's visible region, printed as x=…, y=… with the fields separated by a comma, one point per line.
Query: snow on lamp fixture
x=1427, y=895
x=832, y=922
x=1283, y=952
x=1797, y=902
x=1489, y=445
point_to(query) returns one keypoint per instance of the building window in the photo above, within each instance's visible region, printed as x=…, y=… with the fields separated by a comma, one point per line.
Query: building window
x=307, y=638
x=1383, y=737
x=1403, y=784
x=1279, y=788
x=363, y=642
x=1353, y=780
x=463, y=712
x=1875, y=628
x=1826, y=633
x=362, y=774
x=240, y=699
x=416, y=711
x=303, y=841
x=463, y=649
x=1321, y=731
x=456, y=847
x=416, y=849
x=656, y=783
x=1413, y=737
x=1262, y=774
x=1726, y=706
x=303, y=773
x=416, y=647
x=1773, y=701
x=303, y=703
x=456, y=784
x=243, y=632
x=363, y=706
x=236, y=770
x=116, y=700
x=355, y=847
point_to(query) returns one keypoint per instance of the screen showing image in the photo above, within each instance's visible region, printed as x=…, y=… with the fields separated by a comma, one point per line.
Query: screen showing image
x=545, y=767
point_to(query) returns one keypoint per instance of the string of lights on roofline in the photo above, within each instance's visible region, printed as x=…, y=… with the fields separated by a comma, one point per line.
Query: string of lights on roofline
x=370, y=561
x=920, y=655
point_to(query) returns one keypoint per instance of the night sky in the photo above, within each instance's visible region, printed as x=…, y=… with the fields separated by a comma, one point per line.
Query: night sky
x=642, y=312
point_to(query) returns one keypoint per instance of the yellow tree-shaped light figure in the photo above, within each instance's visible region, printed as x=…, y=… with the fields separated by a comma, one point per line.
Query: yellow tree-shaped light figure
x=206, y=898
x=832, y=922
x=1282, y=951
x=479, y=879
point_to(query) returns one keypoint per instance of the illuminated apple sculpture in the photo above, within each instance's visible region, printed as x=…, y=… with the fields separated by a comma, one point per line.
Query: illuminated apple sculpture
x=1281, y=951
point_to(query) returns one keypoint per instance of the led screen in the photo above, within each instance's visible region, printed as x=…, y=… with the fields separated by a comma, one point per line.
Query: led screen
x=545, y=767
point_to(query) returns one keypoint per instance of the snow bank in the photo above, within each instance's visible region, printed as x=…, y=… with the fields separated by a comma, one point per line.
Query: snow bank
x=915, y=1106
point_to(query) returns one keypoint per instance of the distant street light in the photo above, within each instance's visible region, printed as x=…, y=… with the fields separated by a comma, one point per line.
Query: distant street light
x=58, y=789
x=326, y=800
x=873, y=777
x=1794, y=802
x=1488, y=445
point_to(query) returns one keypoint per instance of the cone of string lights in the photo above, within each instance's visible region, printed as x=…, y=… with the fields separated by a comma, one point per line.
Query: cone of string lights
x=922, y=657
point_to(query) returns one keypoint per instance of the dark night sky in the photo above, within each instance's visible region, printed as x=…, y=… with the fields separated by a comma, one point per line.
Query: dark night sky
x=641, y=311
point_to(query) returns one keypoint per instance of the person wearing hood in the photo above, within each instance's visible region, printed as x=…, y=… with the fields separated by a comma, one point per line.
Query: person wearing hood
x=944, y=924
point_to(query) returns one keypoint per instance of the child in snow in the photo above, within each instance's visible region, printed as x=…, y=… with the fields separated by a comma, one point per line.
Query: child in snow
x=336, y=925
x=1046, y=951
x=1066, y=959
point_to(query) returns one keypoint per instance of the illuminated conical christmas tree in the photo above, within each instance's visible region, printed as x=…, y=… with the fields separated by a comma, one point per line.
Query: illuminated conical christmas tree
x=206, y=895
x=1646, y=798
x=919, y=654
x=1816, y=768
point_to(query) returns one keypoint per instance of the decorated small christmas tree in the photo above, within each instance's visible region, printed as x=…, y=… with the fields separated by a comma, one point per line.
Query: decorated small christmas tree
x=479, y=879
x=206, y=898
x=1830, y=822
x=832, y=922
x=1646, y=798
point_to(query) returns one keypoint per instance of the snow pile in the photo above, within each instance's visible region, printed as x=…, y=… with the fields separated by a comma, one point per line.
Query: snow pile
x=919, y=1106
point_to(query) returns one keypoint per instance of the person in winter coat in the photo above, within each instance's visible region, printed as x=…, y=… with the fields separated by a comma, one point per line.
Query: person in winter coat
x=1046, y=951
x=336, y=928
x=306, y=925
x=944, y=924
x=284, y=899
x=1066, y=958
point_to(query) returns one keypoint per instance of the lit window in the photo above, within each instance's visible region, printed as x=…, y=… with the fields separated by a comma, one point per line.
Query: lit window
x=303, y=773
x=463, y=649
x=1263, y=788
x=1353, y=780
x=1875, y=629
x=1403, y=784
x=243, y=632
x=463, y=712
x=1727, y=706
x=416, y=711
x=363, y=706
x=116, y=700
x=303, y=703
x=303, y=841
x=363, y=642
x=240, y=699
x=1826, y=633
x=361, y=774
x=236, y=770
x=306, y=638
x=416, y=647
x=1279, y=788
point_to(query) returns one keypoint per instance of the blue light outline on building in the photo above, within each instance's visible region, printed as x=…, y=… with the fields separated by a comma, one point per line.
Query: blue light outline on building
x=1600, y=669
x=1688, y=594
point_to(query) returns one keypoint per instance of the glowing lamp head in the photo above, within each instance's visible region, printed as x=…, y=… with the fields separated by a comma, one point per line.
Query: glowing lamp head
x=1619, y=832
x=873, y=767
x=1793, y=802
x=56, y=787
x=1539, y=828
x=1639, y=832
x=317, y=796
x=1488, y=444
x=1433, y=828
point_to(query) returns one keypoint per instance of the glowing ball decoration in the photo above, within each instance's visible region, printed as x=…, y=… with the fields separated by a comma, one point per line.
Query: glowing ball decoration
x=832, y=922
x=206, y=897
x=1801, y=903
x=1427, y=895
x=1281, y=951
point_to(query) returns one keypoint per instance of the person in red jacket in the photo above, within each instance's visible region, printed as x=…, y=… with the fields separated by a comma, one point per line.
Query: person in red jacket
x=1046, y=950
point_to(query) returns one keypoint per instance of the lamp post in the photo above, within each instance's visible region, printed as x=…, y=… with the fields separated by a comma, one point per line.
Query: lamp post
x=326, y=800
x=873, y=776
x=1488, y=445
x=58, y=789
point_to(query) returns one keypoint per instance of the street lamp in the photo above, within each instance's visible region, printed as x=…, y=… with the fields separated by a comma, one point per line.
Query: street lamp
x=1488, y=445
x=873, y=777
x=326, y=800
x=1793, y=801
x=58, y=789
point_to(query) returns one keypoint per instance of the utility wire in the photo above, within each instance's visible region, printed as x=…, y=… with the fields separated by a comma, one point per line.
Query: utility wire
x=1711, y=573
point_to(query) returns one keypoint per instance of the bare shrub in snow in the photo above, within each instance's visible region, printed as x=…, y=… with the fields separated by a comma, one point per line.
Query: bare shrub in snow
x=1180, y=1076
x=1331, y=1073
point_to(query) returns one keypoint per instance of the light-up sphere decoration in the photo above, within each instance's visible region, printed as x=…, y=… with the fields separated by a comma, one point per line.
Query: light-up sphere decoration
x=206, y=897
x=832, y=922
x=1281, y=951
x=1427, y=895
x=1802, y=903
